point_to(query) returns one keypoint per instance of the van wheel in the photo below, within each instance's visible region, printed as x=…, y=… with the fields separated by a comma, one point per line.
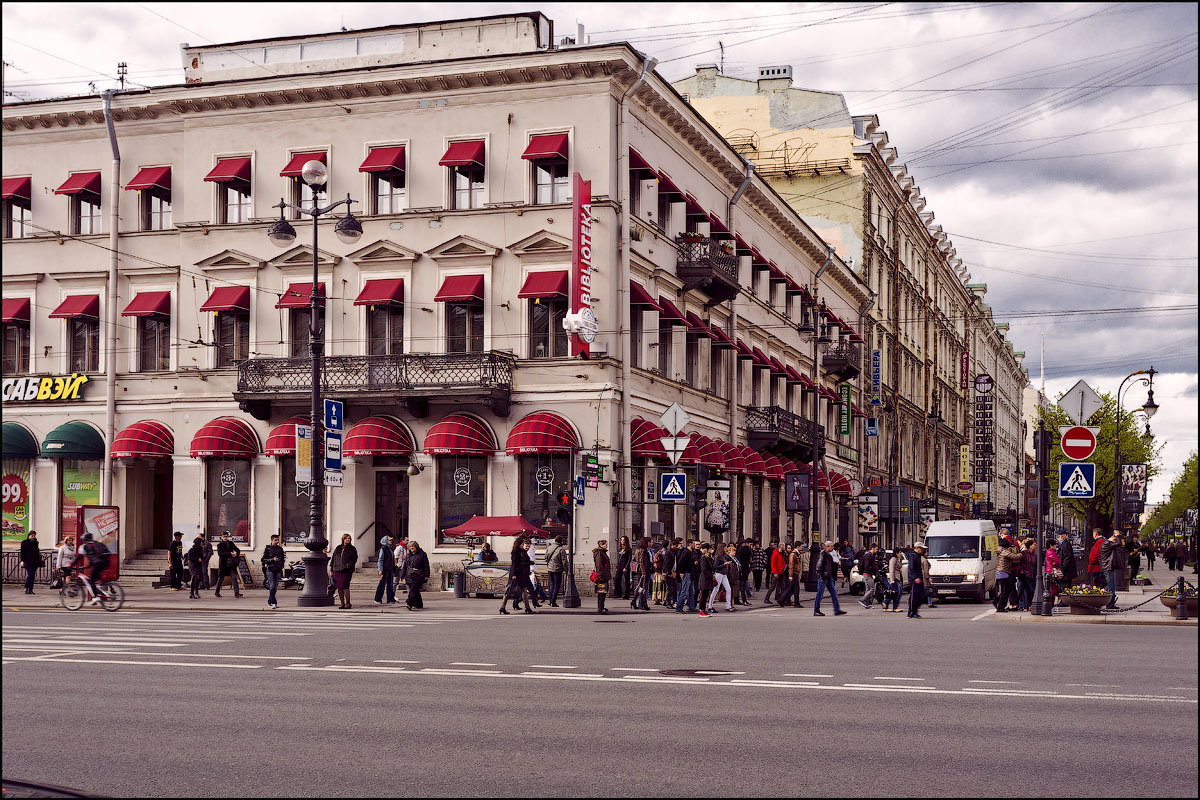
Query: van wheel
x=981, y=595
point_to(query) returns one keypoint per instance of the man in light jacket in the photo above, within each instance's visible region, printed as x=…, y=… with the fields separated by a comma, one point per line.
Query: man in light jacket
x=387, y=572
x=556, y=564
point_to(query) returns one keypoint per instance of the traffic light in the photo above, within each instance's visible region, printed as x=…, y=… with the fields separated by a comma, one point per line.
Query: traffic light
x=565, y=502
x=1042, y=442
x=700, y=489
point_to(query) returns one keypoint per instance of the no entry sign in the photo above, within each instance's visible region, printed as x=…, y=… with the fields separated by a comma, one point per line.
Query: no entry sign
x=1078, y=442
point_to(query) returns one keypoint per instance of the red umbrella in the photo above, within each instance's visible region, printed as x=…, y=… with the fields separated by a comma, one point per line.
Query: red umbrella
x=496, y=526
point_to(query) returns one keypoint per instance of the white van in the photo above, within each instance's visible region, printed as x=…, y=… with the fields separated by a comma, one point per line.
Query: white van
x=962, y=557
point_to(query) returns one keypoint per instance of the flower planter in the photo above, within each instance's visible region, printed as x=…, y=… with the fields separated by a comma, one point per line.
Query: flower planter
x=1085, y=604
x=1170, y=602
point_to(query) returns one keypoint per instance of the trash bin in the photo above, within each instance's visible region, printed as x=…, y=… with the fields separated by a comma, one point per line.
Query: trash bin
x=460, y=584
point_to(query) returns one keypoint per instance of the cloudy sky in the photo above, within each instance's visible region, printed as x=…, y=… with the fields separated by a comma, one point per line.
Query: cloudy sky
x=1056, y=143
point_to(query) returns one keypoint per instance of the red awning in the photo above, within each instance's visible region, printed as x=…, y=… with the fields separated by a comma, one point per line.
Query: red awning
x=381, y=292
x=151, y=178
x=793, y=287
x=720, y=338
x=715, y=224
x=551, y=145
x=542, y=432
x=638, y=296
x=754, y=462
x=807, y=383
x=147, y=304
x=281, y=441
x=792, y=375
x=16, y=309
x=757, y=259
x=822, y=478
x=458, y=434
x=856, y=411
x=545, y=285
x=635, y=160
x=742, y=247
x=225, y=437
x=833, y=396
x=145, y=439
x=463, y=154
x=299, y=295
x=496, y=526
x=839, y=483
x=776, y=273
x=744, y=350
x=708, y=451
x=698, y=325
x=644, y=440
x=460, y=289
x=670, y=312
x=734, y=462
x=378, y=436
x=787, y=464
x=381, y=159
x=78, y=305
x=81, y=182
x=228, y=298
x=774, y=467
x=759, y=358
x=228, y=169
x=296, y=165
x=777, y=367
x=666, y=185
x=18, y=188
x=694, y=209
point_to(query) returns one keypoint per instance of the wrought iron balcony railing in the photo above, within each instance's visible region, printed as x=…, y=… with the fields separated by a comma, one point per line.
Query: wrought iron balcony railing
x=706, y=265
x=772, y=426
x=406, y=372
x=844, y=359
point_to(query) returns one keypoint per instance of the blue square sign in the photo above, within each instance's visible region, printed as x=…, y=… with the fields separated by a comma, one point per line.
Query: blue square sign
x=333, y=415
x=672, y=486
x=1076, y=480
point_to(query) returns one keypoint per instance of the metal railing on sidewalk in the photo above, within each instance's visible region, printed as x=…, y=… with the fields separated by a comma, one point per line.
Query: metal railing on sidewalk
x=14, y=570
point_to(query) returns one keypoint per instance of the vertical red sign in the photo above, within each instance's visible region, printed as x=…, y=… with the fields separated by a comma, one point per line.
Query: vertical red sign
x=581, y=255
x=964, y=370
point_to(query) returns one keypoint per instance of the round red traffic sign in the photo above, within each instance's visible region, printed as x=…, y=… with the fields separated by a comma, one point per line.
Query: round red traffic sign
x=1078, y=443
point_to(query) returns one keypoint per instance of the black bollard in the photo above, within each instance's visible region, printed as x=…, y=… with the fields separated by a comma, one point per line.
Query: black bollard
x=1181, y=599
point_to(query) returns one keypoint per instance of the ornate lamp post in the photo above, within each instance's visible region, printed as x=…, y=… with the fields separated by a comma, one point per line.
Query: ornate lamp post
x=1148, y=409
x=282, y=234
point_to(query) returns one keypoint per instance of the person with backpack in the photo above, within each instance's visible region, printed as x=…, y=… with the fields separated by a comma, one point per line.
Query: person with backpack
x=685, y=564
x=98, y=559
x=386, y=568
x=657, y=558
x=228, y=555
x=272, y=564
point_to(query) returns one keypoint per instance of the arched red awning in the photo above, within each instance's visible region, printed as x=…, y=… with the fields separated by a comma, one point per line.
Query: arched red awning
x=458, y=434
x=708, y=451
x=644, y=439
x=144, y=439
x=225, y=437
x=754, y=462
x=774, y=468
x=788, y=465
x=822, y=478
x=542, y=432
x=734, y=462
x=839, y=483
x=281, y=441
x=378, y=436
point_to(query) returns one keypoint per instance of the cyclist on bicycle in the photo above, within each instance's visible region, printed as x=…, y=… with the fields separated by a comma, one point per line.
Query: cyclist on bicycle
x=97, y=559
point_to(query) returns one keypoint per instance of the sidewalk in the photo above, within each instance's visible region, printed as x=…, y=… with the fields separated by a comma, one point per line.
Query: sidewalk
x=1150, y=610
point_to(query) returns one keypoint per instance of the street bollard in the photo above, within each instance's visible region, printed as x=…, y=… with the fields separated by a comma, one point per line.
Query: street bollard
x=1181, y=599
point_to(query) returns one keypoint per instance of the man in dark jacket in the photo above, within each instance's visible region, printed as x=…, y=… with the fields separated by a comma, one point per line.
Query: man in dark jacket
x=416, y=572
x=867, y=566
x=670, y=559
x=744, y=553
x=228, y=556
x=1066, y=558
x=387, y=570
x=272, y=564
x=1112, y=563
x=826, y=580
x=31, y=559
x=685, y=563
x=175, y=559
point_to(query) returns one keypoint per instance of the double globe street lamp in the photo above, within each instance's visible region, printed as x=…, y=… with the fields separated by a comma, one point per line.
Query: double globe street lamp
x=1148, y=409
x=282, y=234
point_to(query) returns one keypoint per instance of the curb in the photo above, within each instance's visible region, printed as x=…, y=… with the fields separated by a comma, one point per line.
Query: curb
x=1107, y=619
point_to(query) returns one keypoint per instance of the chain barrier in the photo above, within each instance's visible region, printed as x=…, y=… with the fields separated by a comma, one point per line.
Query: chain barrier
x=1139, y=605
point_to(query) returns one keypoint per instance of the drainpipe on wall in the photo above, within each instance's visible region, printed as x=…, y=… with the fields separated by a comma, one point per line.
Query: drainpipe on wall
x=622, y=182
x=862, y=443
x=735, y=374
x=110, y=357
x=816, y=376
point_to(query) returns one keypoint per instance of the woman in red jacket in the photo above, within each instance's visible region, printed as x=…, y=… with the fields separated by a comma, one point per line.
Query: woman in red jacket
x=1095, y=572
x=778, y=567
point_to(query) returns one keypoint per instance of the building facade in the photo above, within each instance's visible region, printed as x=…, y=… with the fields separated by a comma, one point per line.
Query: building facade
x=442, y=325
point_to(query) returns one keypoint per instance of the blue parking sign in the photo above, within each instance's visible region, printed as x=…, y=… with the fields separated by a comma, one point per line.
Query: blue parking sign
x=333, y=415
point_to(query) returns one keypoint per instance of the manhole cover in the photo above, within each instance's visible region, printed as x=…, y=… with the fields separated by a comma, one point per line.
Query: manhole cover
x=692, y=673
x=613, y=621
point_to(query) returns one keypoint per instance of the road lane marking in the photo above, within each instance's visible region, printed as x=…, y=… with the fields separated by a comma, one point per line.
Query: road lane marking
x=889, y=686
x=551, y=666
x=176, y=654
x=395, y=661
x=993, y=681
x=894, y=678
x=805, y=675
x=1007, y=692
x=717, y=672
x=88, y=642
x=1097, y=685
x=634, y=669
x=750, y=682
x=144, y=663
x=563, y=676
x=987, y=613
x=437, y=671
x=471, y=664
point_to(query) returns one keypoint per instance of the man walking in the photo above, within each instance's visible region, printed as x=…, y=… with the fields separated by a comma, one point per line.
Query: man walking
x=778, y=573
x=1066, y=558
x=31, y=559
x=387, y=572
x=918, y=572
x=685, y=562
x=1095, y=571
x=228, y=555
x=175, y=560
x=272, y=563
x=556, y=564
x=416, y=572
x=826, y=580
x=1135, y=558
x=867, y=566
x=1112, y=562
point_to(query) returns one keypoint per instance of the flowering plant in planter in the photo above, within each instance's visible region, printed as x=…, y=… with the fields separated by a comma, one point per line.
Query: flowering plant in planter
x=1086, y=590
x=691, y=237
x=1188, y=591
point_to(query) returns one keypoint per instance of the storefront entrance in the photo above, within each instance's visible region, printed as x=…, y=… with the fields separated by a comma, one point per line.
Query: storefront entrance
x=391, y=504
x=147, y=515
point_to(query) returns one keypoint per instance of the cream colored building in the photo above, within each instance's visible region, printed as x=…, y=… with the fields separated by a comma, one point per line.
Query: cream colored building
x=442, y=324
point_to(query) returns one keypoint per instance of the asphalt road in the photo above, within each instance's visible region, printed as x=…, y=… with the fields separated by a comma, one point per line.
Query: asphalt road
x=458, y=702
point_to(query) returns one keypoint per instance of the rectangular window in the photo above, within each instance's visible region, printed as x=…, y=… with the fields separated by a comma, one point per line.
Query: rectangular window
x=550, y=181
x=665, y=344
x=80, y=486
x=716, y=368
x=227, y=499
x=85, y=213
x=235, y=200
x=635, y=194
x=295, y=504
x=664, y=210
x=467, y=184
x=543, y=478
x=547, y=338
x=303, y=195
x=635, y=336
x=385, y=330
x=754, y=384
x=461, y=493
x=387, y=191
x=155, y=209
x=83, y=346
x=16, y=348
x=301, y=319
x=233, y=337
x=691, y=356
x=154, y=343
x=464, y=327
x=18, y=222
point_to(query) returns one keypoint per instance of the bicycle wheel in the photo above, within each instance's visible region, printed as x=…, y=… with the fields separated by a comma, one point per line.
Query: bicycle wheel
x=72, y=596
x=113, y=596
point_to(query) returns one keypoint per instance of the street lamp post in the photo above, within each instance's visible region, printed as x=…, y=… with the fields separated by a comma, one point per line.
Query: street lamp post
x=282, y=234
x=1149, y=408
x=935, y=416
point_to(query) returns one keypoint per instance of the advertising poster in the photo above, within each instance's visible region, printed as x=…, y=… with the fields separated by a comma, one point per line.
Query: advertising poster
x=1133, y=486
x=104, y=524
x=16, y=498
x=868, y=514
x=80, y=487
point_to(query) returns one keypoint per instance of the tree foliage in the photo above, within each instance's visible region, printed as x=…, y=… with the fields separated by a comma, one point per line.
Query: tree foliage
x=1181, y=498
x=1136, y=448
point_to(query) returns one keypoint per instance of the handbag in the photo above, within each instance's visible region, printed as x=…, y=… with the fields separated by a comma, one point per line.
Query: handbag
x=594, y=577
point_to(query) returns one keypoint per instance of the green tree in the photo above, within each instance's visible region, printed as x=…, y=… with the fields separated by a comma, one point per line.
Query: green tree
x=1181, y=498
x=1137, y=447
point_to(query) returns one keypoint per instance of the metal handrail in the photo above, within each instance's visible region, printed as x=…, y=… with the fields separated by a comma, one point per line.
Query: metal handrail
x=774, y=419
x=405, y=371
x=14, y=571
x=707, y=254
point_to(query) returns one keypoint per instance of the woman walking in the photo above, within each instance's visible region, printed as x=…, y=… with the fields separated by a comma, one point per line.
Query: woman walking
x=645, y=572
x=416, y=572
x=624, y=567
x=603, y=568
x=895, y=575
x=341, y=565
x=758, y=563
x=198, y=564
x=707, y=580
x=722, y=564
x=519, y=586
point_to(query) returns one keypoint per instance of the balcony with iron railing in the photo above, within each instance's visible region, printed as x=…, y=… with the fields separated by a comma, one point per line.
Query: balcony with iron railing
x=409, y=378
x=844, y=360
x=708, y=265
x=775, y=428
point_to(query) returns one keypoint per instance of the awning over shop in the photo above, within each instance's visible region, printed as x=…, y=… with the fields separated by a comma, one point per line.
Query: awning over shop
x=18, y=188
x=458, y=434
x=694, y=209
x=381, y=292
x=839, y=483
x=144, y=439
x=551, y=145
x=793, y=376
x=708, y=451
x=787, y=464
x=822, y=479
x=496, y=526
x=667, y=186
x=754, y=462
x=856, y=411
x=225, y=437
x=773, y=466
x=645, y=439
x=18, y=442
x=463, y=154
x=831, y=395
x=148, y=304
x=77, y=305
x=73, y=440
x=299, y=295
x=382, y=159
x=734, y=462
x=544, y=285
x=281, y=441
x=542, y=432
x=296, y=165
x=460, y=289
x=16, y=309
x=638, y=296
x=228, y=169
x=81, y=182
x=378, y=436
x=151, y=178
x=697, y=325
x=228, y=298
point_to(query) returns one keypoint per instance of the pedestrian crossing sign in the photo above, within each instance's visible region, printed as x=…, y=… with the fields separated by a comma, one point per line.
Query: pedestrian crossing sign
x=672, y=486
x=1076, y=481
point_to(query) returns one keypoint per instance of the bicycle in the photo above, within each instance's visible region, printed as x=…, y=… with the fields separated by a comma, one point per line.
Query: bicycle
x=77, y=589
